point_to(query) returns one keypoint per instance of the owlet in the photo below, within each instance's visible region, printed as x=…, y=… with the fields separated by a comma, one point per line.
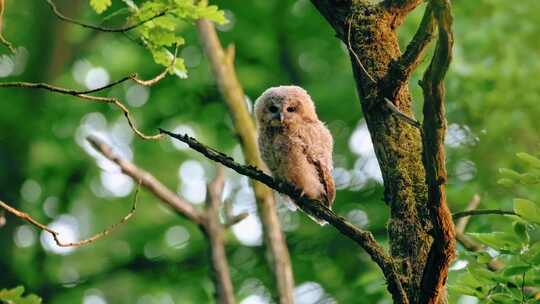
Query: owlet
x=295, y=145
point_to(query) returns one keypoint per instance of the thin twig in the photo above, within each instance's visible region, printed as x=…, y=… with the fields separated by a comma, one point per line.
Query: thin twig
x=482, y=212
x=358, y=61
x=56, y=235
x=388, y=103
x=236, y=219
x=316, y=208
x=123, y=29
x=462, y=223
x=401, y=69
x=84, y=94
x=3, y=40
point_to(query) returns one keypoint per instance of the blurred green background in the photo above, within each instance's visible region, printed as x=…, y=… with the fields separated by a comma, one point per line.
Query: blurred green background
x=48, y=170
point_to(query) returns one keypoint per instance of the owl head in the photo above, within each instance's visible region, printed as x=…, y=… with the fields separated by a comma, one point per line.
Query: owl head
x=284, y=106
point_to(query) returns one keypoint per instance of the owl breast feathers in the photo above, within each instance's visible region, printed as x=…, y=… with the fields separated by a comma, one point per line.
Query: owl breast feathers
x=295, y=145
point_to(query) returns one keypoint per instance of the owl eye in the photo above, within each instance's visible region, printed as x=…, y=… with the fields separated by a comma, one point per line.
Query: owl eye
x=291, y=109
x=273, y=109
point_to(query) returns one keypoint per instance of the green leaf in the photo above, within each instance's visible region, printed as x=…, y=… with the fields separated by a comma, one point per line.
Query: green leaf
x=514, y=270
x=498, y=240
x=501, y=298
x=506, y=182
x=100, y=5
x=529, y=179
x=483, y=257
x=15, y=296
x=527, y=209
x=464, y=290
x=529, y=159
x=532, y=255
x=521, y=230
x=482, y=274
x=509, y=173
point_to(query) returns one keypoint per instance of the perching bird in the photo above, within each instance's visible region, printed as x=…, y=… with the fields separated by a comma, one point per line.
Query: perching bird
x=295, y=145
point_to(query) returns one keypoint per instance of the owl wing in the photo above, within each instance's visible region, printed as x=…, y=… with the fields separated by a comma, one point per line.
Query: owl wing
x=318, y=152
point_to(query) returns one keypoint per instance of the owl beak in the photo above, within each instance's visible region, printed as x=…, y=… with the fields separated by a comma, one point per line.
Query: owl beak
x=277, y=116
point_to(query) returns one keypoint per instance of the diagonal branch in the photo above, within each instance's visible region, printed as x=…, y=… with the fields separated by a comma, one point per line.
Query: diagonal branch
x=313, y=207
x=208, y=220
x=148, y=181
x=401, y=69
x=442, y=250
x=222, y=64
x=56, y=235
x=123, y=29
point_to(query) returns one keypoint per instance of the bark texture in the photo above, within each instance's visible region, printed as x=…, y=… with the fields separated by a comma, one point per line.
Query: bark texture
x=381, y=73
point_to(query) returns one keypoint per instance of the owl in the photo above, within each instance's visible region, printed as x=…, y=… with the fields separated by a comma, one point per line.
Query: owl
x=295, y=145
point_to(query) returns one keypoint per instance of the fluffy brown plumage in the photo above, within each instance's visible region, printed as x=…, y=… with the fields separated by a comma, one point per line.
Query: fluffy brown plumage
x=295, y=145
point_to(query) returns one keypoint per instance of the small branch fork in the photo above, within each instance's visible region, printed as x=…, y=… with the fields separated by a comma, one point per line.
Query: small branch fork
x=388, y=103
x=123, y=29
x=207, y=220
x=313, y=207
x=56, y=235
x=85, y=94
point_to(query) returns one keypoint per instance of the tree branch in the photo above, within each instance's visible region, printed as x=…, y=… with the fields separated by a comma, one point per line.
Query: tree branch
x=4, y=41
x=208, y=221
x=463, y=214
x=148, y=181
x=123, y=29
x=84, y=94
x=222, y=64
x=313, y=207
x=467, y=242
x=214, y=231
x=401, y=69
x=56, y=235
x=442, y=249
x=387, y=102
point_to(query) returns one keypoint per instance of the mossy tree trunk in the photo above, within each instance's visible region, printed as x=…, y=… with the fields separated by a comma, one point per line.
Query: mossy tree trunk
x=381, y=72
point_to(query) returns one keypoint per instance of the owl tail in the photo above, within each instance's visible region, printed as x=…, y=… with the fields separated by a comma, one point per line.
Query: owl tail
x=291, y=205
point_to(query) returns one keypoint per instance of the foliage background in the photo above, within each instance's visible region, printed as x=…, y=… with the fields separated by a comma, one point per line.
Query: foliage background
x=47, y=170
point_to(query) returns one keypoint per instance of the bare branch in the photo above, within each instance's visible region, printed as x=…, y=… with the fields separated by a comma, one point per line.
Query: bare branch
x=401, y=69
x=56, y=235
x=469, y=243
x=442, y=250
x=123, y=29
x=313, y=207
x=236, y=219
x=222, y=64
x=462, y=214
x=3, y=40
x=214, y=231
x=148, y=181
x=353, y=53
x=84, y=94
x=387, y=102
x=461, y=224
